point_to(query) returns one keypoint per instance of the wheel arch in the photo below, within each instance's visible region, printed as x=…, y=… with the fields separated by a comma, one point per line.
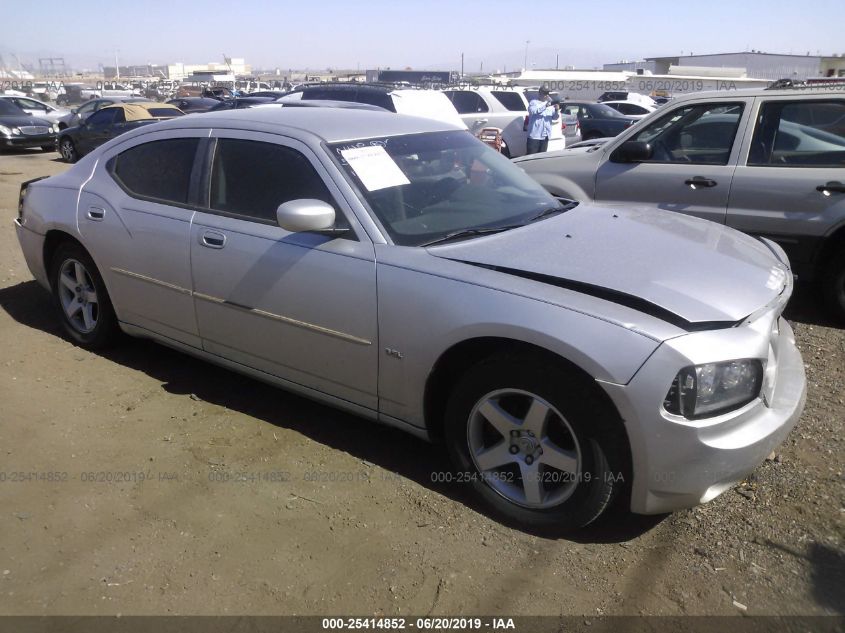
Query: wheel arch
x=458, y=358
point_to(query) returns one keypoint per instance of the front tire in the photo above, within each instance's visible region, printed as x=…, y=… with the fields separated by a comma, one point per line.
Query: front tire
x=539, y=448
x=81, y=299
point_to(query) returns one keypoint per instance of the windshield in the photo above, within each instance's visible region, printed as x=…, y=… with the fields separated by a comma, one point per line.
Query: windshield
x=424, y=187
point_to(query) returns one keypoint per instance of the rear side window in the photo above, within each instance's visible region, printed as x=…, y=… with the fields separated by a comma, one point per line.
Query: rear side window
x=159, y=170
x=251, y=179
x=103, y=117
x=511, y=100
x=799, y=134
x=467, y=101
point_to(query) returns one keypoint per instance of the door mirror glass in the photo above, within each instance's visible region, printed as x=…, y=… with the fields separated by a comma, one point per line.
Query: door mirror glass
x=305, y=214
x=632, y=152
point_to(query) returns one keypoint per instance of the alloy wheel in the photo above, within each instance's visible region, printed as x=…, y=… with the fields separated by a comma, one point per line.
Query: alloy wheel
x=524, y=448
x=78, y=296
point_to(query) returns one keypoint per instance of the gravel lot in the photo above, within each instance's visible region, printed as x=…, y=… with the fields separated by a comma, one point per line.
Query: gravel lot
x=255, y=501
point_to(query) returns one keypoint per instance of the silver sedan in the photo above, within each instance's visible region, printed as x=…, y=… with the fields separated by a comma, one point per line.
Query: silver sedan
x=567, y=355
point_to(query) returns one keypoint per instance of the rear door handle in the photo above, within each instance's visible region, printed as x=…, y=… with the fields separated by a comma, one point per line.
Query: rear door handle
x=213, y=239
x=700, y=183
x=96, y=213
x=481, y=121
x=834, y=186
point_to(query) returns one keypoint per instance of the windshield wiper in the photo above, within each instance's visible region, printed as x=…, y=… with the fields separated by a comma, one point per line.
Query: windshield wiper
x=469, y=233
x=552, y=211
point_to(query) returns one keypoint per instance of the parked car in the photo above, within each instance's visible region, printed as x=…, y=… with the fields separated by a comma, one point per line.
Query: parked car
x=37, y=108
x=189, y=105
x=399, y=268
x=631, y=109
x=78, y=115
x=71, y=94
x=762, y=161
x=596, y=119
x=109, y=122
x=241, y=102
x=275, y=94
x=430, y=104
x=19, y=129
x=502, y=108
x=624, y=95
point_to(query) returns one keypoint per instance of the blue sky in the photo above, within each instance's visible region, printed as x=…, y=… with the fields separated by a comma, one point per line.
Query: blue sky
x=419, y=34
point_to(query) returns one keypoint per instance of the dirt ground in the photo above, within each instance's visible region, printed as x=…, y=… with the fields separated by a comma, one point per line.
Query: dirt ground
x=142, y=481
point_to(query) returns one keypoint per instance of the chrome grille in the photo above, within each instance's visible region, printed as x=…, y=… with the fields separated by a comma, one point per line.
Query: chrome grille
x=33, y=130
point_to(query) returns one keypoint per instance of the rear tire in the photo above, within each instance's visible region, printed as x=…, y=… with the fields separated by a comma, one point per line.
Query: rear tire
x=81, y=299
x=834, y=286
x=514, y=420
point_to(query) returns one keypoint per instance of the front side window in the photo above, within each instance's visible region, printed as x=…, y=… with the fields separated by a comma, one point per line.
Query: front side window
x=251, y=179
x=424, y=187
x=799, y=134
x=701, y=134
x=158, y=170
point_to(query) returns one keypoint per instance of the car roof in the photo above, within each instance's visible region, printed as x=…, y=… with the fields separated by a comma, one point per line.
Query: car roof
x=328, y=124
x=141, y=111
x=805, y=92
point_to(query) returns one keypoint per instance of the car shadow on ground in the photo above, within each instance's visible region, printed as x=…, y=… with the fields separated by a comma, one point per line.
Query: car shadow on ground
x=391, y=449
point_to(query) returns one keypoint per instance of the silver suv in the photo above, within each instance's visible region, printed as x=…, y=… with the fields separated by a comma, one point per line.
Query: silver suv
x=767, y=162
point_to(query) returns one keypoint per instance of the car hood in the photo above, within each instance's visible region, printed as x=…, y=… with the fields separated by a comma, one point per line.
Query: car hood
x=13, y=120
x=684, y=270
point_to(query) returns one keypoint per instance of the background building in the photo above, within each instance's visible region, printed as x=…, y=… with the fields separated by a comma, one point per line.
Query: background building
x=755, y=64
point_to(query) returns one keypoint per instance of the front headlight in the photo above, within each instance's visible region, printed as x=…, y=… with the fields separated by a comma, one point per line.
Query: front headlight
x=55, y=127
x=15, y=131
x=714, y=388
x=5, y=130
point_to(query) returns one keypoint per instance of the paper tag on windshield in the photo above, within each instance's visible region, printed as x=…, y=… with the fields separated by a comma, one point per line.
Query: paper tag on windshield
x=374, y=166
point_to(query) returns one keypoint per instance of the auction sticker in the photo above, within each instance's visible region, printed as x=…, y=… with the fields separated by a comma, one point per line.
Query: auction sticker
x=374, y=166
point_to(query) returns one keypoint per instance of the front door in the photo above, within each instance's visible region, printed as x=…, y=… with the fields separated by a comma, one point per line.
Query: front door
x=692, y=164
x=300, y=306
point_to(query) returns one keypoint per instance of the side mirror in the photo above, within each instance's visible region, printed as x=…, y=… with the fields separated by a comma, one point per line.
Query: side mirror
x=74, y=111
x=305, y=214
x=632, y=152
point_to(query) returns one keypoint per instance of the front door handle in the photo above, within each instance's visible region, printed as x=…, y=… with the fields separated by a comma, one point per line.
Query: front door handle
x=700, y=183
x=96, y=213
x=834, y=186
x=213, y=239
x=480, y=121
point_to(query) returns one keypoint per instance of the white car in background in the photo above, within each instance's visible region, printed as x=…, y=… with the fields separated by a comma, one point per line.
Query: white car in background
x=630, y=109
x=502, y=108
x=429, y=104
x=37, y=108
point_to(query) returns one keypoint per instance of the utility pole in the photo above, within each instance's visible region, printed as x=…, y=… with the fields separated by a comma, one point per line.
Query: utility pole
x=116, y=64
x=525, y=63
x=462, y=65
x=557, y=61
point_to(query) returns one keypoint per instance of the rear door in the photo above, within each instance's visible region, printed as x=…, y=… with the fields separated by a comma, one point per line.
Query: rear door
x=300, y=306
x=135, y=215
x=695, y=150
x=790, y=185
